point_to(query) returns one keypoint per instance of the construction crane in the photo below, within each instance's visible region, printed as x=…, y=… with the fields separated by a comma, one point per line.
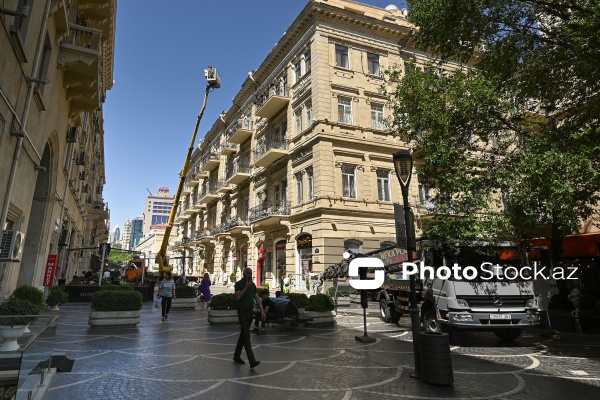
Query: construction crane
x=213, y=81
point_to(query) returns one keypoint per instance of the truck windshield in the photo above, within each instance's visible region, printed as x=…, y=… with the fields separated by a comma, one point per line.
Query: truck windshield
x=492, y=263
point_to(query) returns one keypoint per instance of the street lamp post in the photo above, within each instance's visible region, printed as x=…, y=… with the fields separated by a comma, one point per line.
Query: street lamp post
x=185, y=241
x=403, y=163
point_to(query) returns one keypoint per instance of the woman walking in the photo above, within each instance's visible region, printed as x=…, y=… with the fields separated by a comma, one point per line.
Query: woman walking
x=166, y=291
x=205, y=288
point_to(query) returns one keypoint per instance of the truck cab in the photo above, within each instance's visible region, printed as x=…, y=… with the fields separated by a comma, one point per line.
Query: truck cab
x=486, y=291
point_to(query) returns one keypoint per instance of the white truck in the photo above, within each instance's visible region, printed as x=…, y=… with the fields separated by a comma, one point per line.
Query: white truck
x=495, y=300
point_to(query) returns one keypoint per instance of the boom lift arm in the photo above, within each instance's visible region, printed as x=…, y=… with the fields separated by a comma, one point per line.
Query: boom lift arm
x=213, y=81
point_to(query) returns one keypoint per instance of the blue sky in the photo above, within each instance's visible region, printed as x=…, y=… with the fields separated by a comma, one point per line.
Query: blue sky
x=161, y=51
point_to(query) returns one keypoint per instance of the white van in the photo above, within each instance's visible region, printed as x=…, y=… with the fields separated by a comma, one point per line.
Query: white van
x=494, y=301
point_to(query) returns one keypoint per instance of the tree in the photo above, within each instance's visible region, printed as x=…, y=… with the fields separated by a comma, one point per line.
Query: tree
x=510, y=140
x=119, y=257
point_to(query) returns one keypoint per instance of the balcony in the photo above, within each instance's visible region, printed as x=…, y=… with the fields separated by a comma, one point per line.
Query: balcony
x=204, y=235
x=80, y=58
x=238, y=173
x=98, y=210
x=60, y=11
x=208, y=194
x=210, y=161
x=270, y=212
x=229, y=148
x=275, y=100
x=240, y=131
x=270, y=150
x=186, y=210
x=224, y=187
x=234, y=225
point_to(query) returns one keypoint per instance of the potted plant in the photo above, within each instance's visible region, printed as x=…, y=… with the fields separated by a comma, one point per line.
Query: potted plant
x=186, y=297
x=232, y=277
x=56, y=297
x=115, y=305
x=264, y=285
x=320, y=308
x=341, y=299
x=300, y=300
x=221, y=309
x=31, y=294
x=12, y=328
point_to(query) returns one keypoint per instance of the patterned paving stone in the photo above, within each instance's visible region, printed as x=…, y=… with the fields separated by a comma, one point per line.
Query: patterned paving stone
x=186, y=358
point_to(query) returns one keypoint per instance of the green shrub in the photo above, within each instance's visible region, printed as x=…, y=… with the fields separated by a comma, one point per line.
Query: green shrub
x=223, y=301
x=56, y=296
x=184, y=292
x=117, y=287
x=331, y=293
x=16, y=306
x=264, y=285
x=117, y=300
x=299, y=299
x=232, y=277
x=33, y=295
x=320, y=302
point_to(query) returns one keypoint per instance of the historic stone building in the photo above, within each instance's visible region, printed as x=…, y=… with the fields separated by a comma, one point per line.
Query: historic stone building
x=57, y=65
x=300, y=167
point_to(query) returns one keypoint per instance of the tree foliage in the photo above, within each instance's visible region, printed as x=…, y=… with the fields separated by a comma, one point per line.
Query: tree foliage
x=119, y=257
x=514, y=127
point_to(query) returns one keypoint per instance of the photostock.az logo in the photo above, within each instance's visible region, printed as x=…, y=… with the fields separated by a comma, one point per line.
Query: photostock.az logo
x=370, y=263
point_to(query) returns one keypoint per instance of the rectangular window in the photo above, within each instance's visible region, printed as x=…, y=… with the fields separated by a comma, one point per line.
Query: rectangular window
x=309, y=117
x=349, y=181
x=45, y=64
x=310, y=184
x=373, y=64
x=307, y=62
x=345, y=110
x=298, y=71
x=299, y=188
x=298, y=117
x=283, y=130
x=383, y=185
x=377, y=117
x=20, y=23
x=341, y=57
x=425, y=196
x=277, y=194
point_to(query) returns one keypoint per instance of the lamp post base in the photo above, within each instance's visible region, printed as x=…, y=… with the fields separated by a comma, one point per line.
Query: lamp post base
x=365, y=339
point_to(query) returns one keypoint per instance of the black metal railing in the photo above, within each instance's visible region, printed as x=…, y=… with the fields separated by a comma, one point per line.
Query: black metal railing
x=206, y=190
x=242, y=123
x=233, y=223
x=237, y=168
x=275, y=90
x=269, y=209
x=270, y=143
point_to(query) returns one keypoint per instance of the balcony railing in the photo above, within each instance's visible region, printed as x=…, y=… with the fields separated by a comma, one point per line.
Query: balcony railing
x=210, y=160
x=237, y=173
x=204, y=233
x=272, y=101
x=234, y=222
x=240, y=130
x=269, y=209
x=270, y=150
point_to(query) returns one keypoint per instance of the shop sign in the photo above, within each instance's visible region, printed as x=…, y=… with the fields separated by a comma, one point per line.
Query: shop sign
x=50, y=268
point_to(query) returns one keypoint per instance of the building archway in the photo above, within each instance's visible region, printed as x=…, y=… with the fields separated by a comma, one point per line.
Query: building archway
x=34, y=253
x=305, y=261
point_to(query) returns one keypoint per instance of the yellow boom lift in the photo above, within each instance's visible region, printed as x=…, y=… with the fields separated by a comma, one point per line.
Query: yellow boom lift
x=213, y=81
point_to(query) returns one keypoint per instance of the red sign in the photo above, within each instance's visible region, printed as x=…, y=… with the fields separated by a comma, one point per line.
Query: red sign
x=50, y=268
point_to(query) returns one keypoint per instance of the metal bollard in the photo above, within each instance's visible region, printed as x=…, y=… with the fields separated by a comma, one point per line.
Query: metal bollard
x=42, y=378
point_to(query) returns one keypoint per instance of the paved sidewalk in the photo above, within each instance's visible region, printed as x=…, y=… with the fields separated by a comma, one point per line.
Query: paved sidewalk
x=186, y=358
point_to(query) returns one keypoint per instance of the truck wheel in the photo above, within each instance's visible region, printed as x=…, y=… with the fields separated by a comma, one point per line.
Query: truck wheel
x=394, y=315
x=508, y=335
x=384, y=310
x=430, y=322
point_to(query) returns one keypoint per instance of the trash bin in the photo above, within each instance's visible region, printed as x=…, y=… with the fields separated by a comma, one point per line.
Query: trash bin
x=436, y=365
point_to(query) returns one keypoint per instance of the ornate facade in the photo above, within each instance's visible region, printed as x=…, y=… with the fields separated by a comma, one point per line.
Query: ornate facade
x=300, y=167
x=57, y=65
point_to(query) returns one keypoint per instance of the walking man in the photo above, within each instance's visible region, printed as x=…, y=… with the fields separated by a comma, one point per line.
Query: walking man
x=245, y=293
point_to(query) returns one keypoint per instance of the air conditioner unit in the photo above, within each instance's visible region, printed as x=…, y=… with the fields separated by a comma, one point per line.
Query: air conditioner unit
x=11, y=245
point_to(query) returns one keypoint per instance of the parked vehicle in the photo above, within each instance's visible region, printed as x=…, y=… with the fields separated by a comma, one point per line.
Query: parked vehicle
x=493, y=301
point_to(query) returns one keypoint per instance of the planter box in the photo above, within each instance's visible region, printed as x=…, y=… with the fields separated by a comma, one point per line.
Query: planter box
x=114, y=318
x=189, y=304
x=84, y=293
x=320, y=317
x=222, y=317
